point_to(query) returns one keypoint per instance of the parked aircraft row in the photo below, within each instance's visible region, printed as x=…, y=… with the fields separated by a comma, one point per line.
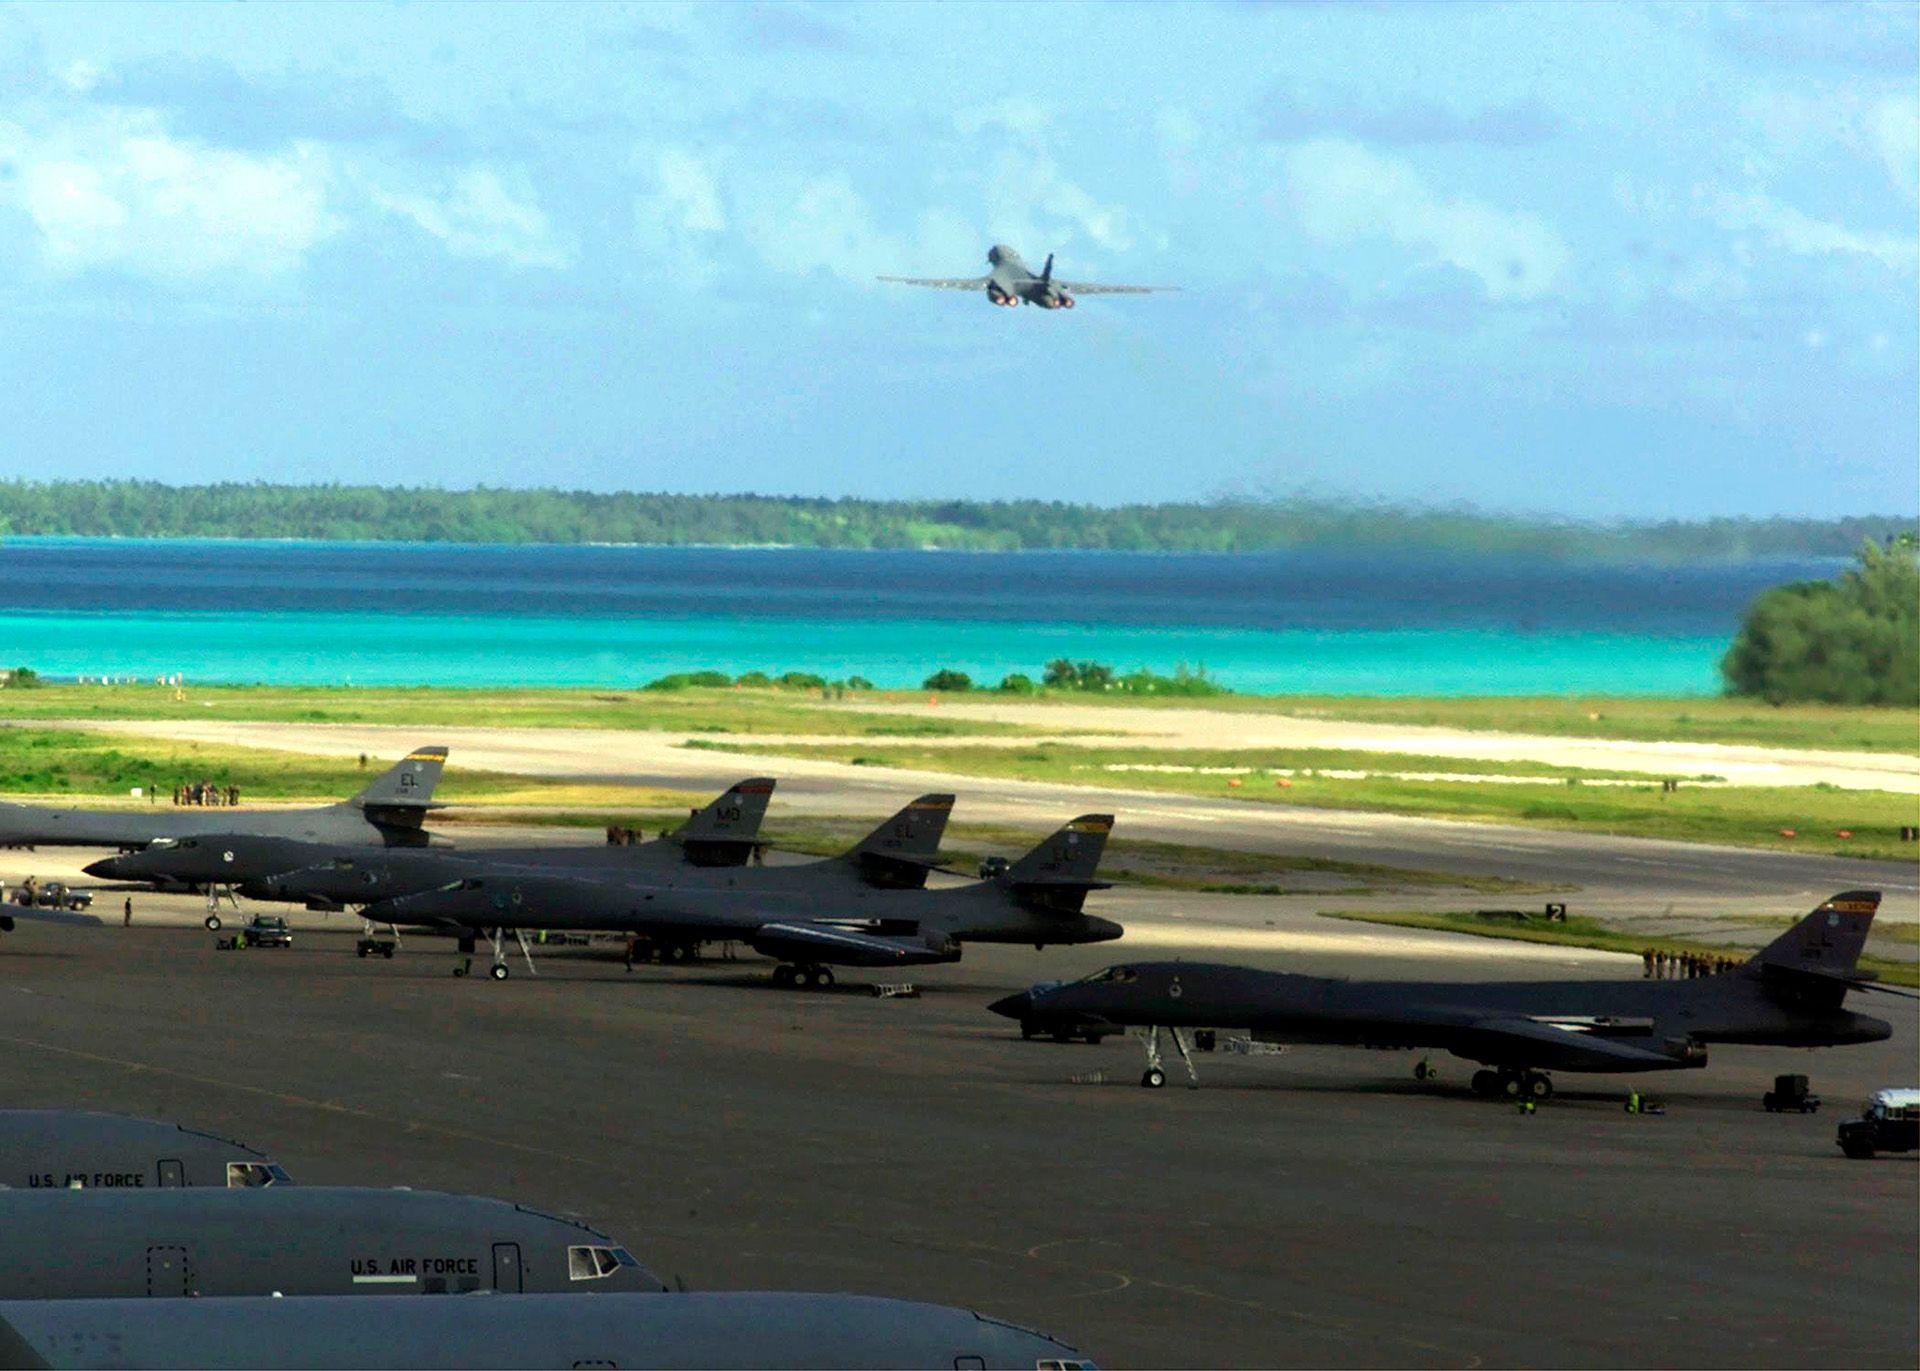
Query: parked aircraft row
x=122, y=1217
x=867, y=907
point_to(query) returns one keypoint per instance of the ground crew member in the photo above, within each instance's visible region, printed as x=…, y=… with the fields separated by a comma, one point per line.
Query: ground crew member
x=1633, y=1102
x=126, y=913
x=1647, y=957
x=632, y=942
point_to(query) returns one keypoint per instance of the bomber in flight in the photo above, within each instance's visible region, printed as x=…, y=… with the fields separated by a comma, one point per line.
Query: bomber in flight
x=1012, y=282
x=1792, y=993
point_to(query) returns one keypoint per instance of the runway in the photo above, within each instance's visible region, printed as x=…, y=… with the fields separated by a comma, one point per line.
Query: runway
x=1605, y=874
x=1314, y=1208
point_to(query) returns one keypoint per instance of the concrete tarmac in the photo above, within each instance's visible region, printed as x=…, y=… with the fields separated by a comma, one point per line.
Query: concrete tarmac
x=1312, y=1208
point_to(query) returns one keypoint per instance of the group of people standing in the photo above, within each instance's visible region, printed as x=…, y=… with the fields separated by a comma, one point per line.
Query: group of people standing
x=1685, y=966
x=206, y=793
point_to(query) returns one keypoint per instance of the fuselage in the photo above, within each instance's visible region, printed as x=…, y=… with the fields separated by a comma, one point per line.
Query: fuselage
x=1012, y=282
x=985, y=912
x=40, y=826
x=1743, y=1006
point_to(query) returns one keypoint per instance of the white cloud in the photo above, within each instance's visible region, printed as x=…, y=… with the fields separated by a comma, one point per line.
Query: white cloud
x=691, y=193
x=1020, y=116
x=478, y=214
x=1340, y=191
x=116, y=191
x=1801, y=234
x=1031, y=203
x=1894, y=125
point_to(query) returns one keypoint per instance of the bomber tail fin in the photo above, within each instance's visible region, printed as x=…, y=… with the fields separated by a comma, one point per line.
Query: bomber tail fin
x=1046, y=272
x=898, y=854
x=1828, y=941
x=726, y=832
x=1060, y=871
x=1817, y=959
x=402, y=794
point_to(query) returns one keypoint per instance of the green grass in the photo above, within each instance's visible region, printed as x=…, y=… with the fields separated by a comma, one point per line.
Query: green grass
x=1605, y=937
x=1140, y=862
x=1744, y=816
x=66, y=763
x=743, y=711
x=1705, y=719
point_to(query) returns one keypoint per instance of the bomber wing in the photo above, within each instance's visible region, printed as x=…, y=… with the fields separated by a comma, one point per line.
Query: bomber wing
x=939, y=282
x=1095, y=288
x=1573, y=1044
x=810, y=940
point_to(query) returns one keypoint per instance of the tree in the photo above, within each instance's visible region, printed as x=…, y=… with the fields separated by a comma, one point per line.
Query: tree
x=1855, y=640
x=948, y=679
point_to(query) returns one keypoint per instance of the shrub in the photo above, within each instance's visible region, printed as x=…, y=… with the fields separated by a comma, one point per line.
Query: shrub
x=1017, y=684
x=948, y=679
x=1854, y=640
x=684, y=680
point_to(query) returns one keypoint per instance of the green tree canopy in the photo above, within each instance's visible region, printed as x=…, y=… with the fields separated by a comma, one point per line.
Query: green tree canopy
x=1854, y=640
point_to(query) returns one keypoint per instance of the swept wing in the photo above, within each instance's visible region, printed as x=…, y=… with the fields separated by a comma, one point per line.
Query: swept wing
x=1095, y=288
x=940, y=282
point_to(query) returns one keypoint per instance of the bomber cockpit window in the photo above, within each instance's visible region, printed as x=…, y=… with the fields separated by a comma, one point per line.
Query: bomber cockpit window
x=596, y=1263
x=1113, y=975
x=252, y=1175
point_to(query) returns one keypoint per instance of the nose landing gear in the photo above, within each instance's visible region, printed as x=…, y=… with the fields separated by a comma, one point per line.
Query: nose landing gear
x=1155, y=1075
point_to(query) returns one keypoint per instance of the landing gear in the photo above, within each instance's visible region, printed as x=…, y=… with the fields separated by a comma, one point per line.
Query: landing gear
x=676, y=953
x=213, y=923
x=499, y=971
x=811, y=977
x=1425, y=1070
x=1510, y=1084
x=1156, y=1076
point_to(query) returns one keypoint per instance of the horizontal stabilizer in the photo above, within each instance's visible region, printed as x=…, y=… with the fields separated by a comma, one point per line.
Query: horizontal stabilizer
x=47, y=916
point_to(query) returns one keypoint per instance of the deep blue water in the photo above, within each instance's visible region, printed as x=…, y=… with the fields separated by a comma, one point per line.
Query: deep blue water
x=470, y=615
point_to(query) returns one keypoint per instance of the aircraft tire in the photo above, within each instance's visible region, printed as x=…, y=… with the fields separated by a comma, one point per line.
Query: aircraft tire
x=784, y=977
x=213, y=923
x=499, y=971
x=1537, y=1085
x=1512, y=1087
x=1485, y=1084
x=1153, y=1078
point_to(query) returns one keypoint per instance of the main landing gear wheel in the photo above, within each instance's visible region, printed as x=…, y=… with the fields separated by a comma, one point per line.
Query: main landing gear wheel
x=1485, y=1083
x=818, y=977
x=498, y=971
x=213, y=923
x=1536, y=1086
x=1153, y=1078
x=784, y=977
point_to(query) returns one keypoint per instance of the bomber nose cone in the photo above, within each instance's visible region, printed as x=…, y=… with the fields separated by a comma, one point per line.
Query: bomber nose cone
x=1014, y=1006
x=106, y=869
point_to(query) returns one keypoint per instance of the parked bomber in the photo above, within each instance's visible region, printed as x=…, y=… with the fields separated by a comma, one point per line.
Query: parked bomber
x=1012, y=282
x=731, y=1329
x=389, y=812
x=1790, y=994
x=1038, y=899
x=295, y=1240
x=723, y=834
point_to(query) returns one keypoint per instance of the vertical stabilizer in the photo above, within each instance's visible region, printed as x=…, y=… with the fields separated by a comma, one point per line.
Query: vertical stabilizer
x=1060, y=871
x=1829, y=940
x=726, y=831
x=404, y=791
x=898, y=854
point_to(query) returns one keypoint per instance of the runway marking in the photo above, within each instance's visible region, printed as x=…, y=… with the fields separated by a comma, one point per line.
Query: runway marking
x=1319, y=1321
x=306, y=1102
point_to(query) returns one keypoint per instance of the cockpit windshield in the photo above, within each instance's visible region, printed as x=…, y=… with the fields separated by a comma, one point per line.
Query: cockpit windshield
x=1113, y=975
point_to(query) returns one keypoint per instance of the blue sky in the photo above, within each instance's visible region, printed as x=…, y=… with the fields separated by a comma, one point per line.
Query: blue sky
x=1585, y=259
